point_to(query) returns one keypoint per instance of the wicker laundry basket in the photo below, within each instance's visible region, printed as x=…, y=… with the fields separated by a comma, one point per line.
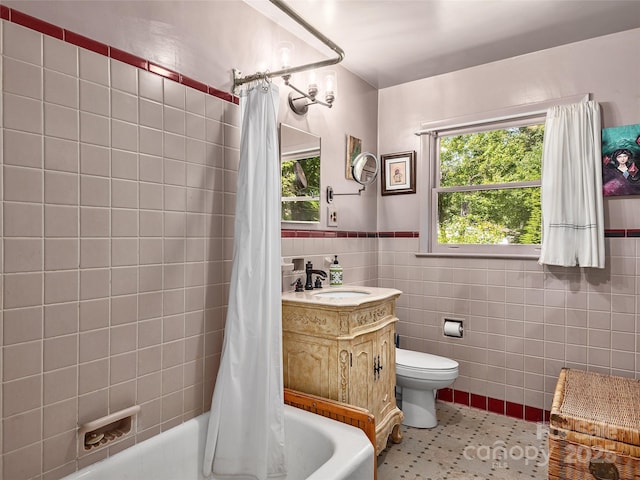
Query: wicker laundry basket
x=595, y=427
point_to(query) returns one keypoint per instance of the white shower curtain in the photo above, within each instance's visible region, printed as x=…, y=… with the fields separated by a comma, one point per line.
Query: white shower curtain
x=572, y=211
x=245, y=439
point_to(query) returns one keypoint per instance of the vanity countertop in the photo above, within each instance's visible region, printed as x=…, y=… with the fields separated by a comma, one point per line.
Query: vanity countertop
x=343, y=296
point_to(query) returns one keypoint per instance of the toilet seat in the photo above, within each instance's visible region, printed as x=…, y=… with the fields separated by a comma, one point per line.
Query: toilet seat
x=424, y=366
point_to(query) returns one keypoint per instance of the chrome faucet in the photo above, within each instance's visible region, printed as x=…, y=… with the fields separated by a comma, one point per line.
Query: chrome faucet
x=310, y=271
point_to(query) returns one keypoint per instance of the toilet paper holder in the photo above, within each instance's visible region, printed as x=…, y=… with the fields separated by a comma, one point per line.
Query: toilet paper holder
x=453, y=328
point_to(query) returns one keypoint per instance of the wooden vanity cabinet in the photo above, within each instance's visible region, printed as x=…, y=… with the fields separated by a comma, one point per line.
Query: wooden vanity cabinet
x=345, y=353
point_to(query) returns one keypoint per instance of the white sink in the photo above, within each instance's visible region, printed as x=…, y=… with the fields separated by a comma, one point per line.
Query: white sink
x=344, y=296
x=340, y=294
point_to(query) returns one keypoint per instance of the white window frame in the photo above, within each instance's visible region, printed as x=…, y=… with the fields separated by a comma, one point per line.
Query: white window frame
x=430, y=132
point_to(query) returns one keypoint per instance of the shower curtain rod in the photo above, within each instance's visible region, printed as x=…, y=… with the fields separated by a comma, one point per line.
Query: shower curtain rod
x=238, y=80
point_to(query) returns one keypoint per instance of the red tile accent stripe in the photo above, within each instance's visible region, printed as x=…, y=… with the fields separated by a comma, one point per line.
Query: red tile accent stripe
x=223, y=95
x=445, y=394
x=34, y=24
x=496, y=406
x=128, y=58
x=402, y=234
x=621, y=233
x=289, y=233
x=164, y=72
x=190, y=82
x=502, y=407
x=15, y=16
x=514, y=410
x=461, y=397
x=85, y=42
x=629, y=233
x=532, y=414
x=478, y=401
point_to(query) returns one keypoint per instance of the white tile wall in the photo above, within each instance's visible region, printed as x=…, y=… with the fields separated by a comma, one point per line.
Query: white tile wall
x=536, y=320
x=113, y=286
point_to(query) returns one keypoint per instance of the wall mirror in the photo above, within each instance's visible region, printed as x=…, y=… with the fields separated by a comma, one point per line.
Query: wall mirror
x=300, y=171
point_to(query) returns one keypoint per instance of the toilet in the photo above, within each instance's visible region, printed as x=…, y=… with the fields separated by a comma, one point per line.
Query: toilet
x=420, y=375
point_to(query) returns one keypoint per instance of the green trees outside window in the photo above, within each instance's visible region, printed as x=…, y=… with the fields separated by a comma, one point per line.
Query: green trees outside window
x=301, y=189
x=489, y=187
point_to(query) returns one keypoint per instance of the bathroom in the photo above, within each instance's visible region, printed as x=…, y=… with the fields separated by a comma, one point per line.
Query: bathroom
x=87, y=240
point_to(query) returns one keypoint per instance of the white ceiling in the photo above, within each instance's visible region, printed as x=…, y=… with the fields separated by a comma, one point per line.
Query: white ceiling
x=389, y=42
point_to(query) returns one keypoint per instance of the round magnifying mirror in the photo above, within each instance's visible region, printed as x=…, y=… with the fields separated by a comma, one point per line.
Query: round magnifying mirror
x=365, y=168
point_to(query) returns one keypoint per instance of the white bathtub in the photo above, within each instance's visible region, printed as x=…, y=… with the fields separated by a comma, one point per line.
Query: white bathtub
x=317, y=448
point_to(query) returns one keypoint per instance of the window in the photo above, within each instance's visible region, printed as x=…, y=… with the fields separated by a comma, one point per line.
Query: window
x=485, y=190
x=484, y=177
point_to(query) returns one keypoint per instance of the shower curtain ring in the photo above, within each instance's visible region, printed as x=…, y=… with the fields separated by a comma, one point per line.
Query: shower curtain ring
x=266, y=81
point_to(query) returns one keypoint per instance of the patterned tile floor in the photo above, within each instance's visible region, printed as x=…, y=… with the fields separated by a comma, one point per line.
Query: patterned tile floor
x=467, y=444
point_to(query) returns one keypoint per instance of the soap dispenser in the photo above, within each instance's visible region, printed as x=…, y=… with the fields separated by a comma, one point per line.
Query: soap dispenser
x=335, y=273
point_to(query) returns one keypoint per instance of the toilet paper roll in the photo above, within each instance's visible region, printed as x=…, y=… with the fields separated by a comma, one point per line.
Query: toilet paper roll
x=452, y=328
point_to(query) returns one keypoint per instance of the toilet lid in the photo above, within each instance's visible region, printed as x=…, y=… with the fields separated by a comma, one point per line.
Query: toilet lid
x=424, y=361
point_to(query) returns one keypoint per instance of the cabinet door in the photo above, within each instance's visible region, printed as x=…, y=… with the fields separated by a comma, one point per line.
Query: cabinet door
x=385, y=379
x=361, y=373
x=309, y=365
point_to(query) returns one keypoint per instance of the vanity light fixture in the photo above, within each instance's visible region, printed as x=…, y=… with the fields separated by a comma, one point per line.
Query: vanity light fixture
x=299, y=100
x=285, y=72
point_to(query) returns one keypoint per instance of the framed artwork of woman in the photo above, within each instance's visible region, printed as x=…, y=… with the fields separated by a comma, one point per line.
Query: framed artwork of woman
x=621, y=160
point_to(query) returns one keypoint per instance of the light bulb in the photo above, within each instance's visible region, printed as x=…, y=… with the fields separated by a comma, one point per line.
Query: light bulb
x=313, y=84
x=312, y=79
x=330, y=86
x=285, y=52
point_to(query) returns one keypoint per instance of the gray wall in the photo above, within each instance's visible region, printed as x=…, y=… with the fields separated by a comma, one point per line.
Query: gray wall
x=600, y=66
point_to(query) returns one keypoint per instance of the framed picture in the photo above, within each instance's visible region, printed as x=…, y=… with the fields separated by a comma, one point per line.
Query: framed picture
x=398, y=173
x=621, y=160
x=354, y=148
